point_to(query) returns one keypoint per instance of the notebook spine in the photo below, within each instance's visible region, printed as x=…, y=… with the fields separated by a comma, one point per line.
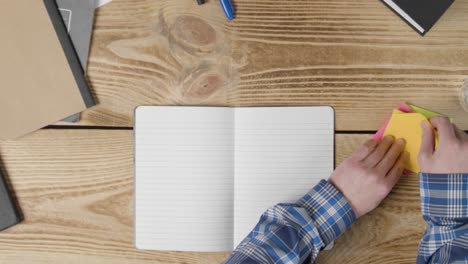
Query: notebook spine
x=406, y=21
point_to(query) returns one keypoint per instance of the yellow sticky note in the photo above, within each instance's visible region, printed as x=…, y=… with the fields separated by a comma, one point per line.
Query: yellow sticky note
x=408, y=127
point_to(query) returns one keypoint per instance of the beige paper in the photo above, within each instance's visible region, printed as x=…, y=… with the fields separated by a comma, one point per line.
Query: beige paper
x=37, y=87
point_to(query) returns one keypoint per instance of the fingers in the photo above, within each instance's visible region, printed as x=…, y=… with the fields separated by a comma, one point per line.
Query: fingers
x=375, y=157
x=391, y=157
x=427, y=141
x=397, y=170
x=364, y=151
x=445, y=129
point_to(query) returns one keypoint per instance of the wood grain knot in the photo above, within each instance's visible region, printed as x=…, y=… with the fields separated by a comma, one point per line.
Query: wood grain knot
x=195, y=31
x=205, y=85
x=193, y=34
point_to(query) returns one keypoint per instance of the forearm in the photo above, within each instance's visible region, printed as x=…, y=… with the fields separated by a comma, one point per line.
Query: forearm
x=294, y=233
x=444, y=205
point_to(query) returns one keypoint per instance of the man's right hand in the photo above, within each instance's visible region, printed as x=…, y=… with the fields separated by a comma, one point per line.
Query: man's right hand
x=451, y=155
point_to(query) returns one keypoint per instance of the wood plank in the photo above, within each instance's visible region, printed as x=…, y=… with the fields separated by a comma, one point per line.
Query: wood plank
x=355, y=55
x=75, y=188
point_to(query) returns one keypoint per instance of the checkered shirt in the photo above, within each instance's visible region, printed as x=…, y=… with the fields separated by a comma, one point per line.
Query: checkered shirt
x=444, y=205
x=295, y=233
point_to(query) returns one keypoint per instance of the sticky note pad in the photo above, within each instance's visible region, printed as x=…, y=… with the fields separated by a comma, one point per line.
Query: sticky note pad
x=408, y=127
x=404, y=108
x=427, y=113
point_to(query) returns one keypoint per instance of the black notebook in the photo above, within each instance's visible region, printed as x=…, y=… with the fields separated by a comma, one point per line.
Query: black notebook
x=419, y=14
x=9, y=215
x=78, y=17
x=71, y=52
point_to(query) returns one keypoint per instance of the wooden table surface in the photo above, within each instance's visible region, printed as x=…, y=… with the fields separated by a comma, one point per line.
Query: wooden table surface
x=74, y=183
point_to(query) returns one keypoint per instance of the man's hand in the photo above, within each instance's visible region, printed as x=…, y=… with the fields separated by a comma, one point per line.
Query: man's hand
x=451, y=155
x=368, y=176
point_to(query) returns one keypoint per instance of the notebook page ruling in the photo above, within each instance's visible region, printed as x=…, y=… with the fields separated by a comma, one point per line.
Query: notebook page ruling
x=184, y=178
x=280, y=154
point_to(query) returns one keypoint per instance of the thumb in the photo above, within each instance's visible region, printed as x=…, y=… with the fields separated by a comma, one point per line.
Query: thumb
x=427, y=141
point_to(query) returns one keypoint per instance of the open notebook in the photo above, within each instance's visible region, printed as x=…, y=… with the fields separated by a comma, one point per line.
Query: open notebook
x=204, y=175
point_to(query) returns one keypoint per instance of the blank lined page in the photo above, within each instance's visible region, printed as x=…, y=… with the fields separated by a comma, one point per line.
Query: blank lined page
x=184, y=178
x=280, y=154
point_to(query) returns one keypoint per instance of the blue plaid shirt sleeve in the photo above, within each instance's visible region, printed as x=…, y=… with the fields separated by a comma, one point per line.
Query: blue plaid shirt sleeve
x=295, y=233
x=444, y=205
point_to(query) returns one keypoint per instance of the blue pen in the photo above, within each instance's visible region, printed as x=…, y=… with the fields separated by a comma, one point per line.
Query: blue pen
x=228, y=8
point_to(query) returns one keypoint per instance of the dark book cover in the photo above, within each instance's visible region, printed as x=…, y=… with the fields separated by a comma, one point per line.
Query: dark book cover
x=78, y=17
x=424, y=13
x=69, y=50
x=9, y=214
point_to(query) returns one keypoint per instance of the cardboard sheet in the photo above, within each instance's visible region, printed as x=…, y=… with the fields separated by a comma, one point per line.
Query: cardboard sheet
x=37, y=84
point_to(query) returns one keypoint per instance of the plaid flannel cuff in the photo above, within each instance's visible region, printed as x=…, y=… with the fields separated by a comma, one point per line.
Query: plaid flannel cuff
x=329, y=209
x=444, y=195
